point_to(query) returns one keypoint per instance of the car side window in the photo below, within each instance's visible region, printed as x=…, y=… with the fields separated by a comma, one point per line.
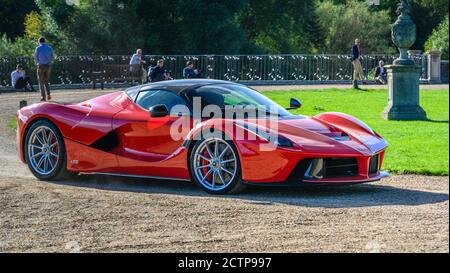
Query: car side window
x=149, y=98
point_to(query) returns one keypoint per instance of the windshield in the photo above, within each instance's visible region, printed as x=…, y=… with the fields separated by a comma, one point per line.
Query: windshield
x=233, y=95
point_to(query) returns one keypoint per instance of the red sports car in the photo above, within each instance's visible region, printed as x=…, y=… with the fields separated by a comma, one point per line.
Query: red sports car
x=153, y=131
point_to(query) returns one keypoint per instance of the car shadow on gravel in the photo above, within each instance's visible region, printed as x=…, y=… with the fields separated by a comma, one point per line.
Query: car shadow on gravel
x=362, y=195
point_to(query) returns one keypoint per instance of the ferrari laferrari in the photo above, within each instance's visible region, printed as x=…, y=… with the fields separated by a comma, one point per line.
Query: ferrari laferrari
x=183, y=130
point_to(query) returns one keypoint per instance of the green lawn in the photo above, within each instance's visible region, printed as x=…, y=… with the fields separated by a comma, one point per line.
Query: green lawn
x=12, y=123
x=419, y=147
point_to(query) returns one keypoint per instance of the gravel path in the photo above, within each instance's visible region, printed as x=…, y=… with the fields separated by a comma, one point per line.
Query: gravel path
x=100, y=213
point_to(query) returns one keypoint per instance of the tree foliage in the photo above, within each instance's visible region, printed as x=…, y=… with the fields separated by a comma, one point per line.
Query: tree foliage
x=169, y=27
x=279, y=26
x=22, y=46
x=209, y=26
x=12, y=15
x=342, y=23
x=426, y=14
x=438, y=40
x=33, y=25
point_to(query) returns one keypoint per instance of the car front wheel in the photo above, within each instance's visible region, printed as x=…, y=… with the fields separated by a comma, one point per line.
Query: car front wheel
x=215, y=166
x=45, y=151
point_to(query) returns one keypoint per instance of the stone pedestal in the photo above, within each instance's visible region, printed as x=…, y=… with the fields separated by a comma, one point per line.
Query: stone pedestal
x=403, y=100
x=434, y=66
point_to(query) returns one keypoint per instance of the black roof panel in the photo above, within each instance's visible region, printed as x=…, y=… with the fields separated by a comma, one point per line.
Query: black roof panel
x=180, y=85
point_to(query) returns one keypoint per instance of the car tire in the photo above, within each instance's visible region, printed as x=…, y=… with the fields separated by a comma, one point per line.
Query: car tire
x=219, y=173
x=45, y=151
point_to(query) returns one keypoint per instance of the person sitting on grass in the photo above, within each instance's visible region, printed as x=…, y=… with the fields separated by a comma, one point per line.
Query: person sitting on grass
x=19, y=79
x=380, y=73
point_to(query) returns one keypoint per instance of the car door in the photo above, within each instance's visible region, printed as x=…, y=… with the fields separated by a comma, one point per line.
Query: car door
x=147, y=138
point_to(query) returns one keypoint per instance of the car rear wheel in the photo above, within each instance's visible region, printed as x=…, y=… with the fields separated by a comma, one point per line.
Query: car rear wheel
x=45, y=151
x=215, y=166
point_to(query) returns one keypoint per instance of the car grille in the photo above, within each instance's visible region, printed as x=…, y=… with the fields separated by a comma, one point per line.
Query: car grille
x=320, y=168
x=374, y=164
x=340, y=167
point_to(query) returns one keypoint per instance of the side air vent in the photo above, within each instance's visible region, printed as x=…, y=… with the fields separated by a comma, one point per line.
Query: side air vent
x=297, y=174
x=374, y=164
x=107, y=142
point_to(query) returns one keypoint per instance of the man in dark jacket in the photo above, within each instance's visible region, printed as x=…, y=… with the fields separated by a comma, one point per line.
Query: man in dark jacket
x=380, y=73
x=356, y=58
x=189, y=72
x=158, y=73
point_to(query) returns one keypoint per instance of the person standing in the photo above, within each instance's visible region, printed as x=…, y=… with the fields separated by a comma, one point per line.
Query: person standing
x=357, y=68
x=43, y=55
x=19, y=80
x=137, y=64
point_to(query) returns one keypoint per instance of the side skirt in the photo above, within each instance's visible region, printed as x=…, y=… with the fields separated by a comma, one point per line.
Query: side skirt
x=138, y=176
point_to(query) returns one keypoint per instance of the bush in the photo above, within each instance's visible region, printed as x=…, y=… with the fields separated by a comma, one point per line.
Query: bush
x=21, y=47
x=438, y=40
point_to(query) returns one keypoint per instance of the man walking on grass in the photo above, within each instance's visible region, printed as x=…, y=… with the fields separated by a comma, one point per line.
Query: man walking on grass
x=356, y=58
x=43, y=57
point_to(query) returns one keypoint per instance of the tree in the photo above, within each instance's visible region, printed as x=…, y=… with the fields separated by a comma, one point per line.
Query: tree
x=90, y=26
x=277, y=26
x=33, y=25
x=342, y=23
x=426, y=14
x=12, y=14
x=438, y=40
x=208, y=27
x=158, y=27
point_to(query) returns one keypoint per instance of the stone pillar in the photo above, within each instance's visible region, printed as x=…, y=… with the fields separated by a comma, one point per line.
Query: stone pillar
x=403, y=100
x=434, y=66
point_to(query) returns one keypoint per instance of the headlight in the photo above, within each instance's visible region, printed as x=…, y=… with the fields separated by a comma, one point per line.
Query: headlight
x=271, y=137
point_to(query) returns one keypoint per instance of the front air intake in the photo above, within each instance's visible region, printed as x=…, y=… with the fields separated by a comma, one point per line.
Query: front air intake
x=335, y=167
x=340, y=167
x=374, y=164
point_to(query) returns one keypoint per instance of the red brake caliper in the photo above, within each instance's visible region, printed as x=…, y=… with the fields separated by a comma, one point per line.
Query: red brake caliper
x=204, y=162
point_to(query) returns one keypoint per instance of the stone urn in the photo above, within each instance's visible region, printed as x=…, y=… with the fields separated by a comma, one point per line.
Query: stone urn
x=404, y=33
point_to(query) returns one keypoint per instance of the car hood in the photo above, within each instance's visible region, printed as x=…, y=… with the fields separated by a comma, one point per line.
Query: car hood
x=312, y=134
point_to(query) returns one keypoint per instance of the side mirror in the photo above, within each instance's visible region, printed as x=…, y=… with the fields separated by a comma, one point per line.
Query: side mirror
x=294, y=104
x=158, y=111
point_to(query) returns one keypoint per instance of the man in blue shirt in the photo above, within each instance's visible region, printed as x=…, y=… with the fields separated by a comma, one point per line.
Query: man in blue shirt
x=43, y=56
